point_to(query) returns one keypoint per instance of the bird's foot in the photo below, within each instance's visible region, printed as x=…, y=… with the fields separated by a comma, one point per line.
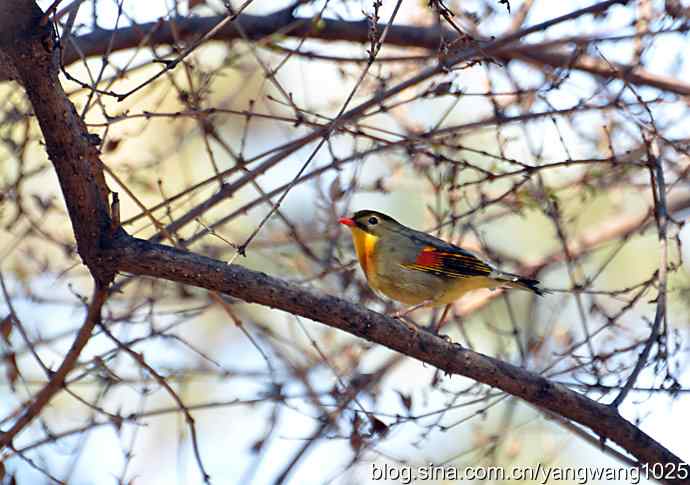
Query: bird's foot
x=446, y=338
x=412, y=326
x=405, y=321
x=434, y=330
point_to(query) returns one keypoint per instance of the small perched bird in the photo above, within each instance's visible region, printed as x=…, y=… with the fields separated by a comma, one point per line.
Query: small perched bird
x=418, y=269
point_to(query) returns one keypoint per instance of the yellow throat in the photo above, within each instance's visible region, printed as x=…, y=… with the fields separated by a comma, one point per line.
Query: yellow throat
x=365, y=244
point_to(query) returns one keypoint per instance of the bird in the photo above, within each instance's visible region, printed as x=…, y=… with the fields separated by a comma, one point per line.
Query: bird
x=418, y=269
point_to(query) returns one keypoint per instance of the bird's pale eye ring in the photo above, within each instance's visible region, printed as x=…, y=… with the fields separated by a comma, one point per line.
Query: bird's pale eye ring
x=373, y=221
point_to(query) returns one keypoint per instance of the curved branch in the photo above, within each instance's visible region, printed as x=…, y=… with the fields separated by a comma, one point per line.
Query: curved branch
x=148, y=259
x=257, y=27
x=28, y=47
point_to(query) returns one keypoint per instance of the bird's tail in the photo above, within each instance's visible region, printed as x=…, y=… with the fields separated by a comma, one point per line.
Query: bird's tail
x=520, y=282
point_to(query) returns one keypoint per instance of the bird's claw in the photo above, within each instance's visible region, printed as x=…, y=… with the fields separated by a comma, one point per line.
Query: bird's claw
x=410, y=325
x=445, y=337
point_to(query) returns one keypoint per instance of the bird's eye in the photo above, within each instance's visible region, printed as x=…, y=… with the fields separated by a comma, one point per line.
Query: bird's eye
x=373, y=221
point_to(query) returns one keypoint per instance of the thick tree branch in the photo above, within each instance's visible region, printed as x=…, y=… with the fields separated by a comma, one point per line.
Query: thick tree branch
x=141, y=257
x=68, y=143
x=257, y=27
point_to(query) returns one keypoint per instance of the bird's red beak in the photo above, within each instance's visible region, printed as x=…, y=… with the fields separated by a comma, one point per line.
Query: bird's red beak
x=346, y=221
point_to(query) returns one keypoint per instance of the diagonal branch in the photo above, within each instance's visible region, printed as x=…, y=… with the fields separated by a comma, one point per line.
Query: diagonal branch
x=256, y=27
x=69, y=145
x=147, y=259
x=57, y=381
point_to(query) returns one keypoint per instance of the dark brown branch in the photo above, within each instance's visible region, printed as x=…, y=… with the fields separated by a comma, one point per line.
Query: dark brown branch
x=143, y=258
x=68, y=143
x=257, y=27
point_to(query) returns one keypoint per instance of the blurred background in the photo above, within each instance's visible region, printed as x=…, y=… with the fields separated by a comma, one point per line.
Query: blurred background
x=562, y=155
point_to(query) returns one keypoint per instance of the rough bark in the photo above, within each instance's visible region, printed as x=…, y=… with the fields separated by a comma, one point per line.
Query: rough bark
x=29, y=47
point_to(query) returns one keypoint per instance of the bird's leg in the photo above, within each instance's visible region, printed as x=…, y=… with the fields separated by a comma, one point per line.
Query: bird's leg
x=402, y=313
x=437, y=326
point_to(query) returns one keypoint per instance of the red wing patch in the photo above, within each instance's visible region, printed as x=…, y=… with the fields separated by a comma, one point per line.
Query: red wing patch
x=457, y=264
x=429, y=257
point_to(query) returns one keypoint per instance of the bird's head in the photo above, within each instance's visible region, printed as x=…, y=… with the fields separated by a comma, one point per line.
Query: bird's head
x=370, y=222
